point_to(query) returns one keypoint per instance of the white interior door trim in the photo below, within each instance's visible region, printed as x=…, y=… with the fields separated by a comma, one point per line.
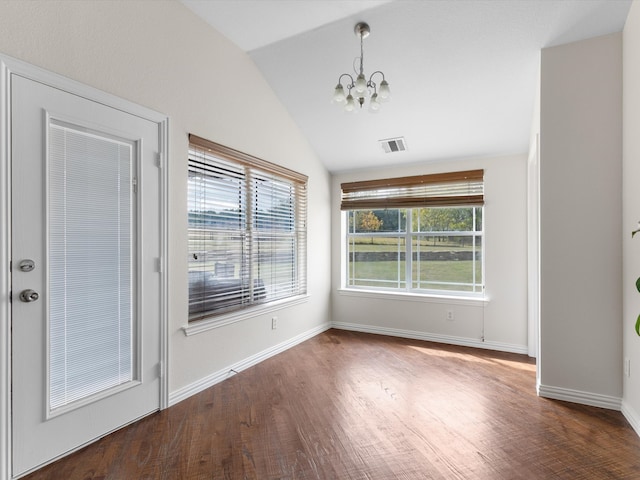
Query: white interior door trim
x=533, y=245
x=10, y=66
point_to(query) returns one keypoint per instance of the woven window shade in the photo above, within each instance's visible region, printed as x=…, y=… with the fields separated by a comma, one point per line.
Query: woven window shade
x=438, y=190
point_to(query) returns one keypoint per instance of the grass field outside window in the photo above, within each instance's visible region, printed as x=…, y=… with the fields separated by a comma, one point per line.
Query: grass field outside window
x=422, y=250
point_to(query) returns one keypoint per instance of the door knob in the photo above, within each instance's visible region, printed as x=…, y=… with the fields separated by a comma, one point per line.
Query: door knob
x=29, y=295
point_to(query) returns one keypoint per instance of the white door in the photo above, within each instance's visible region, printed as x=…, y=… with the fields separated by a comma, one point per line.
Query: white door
x=85, y=253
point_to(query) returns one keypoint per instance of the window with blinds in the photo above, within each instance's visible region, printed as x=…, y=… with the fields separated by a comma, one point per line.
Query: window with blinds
x=421, y=234
x=247, y=230
x=92, y=274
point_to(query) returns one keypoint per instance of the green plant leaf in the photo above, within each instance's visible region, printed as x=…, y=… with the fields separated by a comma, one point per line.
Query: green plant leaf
x=638, y=326
x=638, y=284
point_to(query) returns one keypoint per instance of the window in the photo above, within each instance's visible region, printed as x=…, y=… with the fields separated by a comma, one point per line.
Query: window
x=92, y=242
x=247, y=230
x=419, y=234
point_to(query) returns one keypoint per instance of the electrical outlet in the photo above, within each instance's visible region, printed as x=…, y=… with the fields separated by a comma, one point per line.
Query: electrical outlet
x=450, y=316
x=274, y=323
x=627, y=367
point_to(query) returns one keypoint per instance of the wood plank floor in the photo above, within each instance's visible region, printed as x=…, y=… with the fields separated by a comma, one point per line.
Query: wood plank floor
x=347, y=405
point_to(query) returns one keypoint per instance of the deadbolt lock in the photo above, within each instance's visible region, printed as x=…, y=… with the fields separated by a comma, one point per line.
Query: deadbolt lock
x=27, y=265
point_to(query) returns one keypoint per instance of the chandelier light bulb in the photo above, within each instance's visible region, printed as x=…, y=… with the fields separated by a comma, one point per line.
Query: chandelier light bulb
x=338, y=94
x=374, y=104
x=361, y=84
x=350, y=106
x=385, y=93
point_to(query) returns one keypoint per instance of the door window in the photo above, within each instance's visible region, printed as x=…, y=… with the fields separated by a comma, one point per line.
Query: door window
x=91, y=268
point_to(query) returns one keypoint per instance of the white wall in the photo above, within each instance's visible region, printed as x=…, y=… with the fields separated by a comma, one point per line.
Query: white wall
x=160, y=55
x=631, y=211
x=503, y=320
x=580, y=222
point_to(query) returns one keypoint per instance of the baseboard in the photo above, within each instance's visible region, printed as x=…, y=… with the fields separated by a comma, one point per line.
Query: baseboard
x=577, y=396
x=632, y=417
x=431, y=337
x=217, y=377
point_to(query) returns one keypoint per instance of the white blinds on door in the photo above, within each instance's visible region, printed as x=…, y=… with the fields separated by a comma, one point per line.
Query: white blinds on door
x=91, y=264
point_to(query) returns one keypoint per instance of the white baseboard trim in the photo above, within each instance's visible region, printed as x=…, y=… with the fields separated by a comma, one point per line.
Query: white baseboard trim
x=577, y=396
x=431, y=337
x=632, y=416
x=217, y=377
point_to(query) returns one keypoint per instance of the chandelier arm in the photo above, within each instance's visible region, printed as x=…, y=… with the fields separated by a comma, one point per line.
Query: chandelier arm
x=377, y=71
x=350, y=85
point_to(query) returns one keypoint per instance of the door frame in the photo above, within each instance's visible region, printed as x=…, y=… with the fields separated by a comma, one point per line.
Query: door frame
x=8, y=67
x=533, y=250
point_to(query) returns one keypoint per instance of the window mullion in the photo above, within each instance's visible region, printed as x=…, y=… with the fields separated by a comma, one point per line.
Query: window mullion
x=249, y=228
x=351, y=255
x=408, y=256
x=473, y=250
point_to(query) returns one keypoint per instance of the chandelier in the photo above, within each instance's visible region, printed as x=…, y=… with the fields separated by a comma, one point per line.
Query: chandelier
x=361, y=88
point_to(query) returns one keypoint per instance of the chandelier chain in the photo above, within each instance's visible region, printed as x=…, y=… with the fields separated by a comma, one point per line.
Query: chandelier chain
x=361, y=54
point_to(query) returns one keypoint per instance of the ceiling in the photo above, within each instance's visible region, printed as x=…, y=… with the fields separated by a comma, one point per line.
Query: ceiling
x=463, y=73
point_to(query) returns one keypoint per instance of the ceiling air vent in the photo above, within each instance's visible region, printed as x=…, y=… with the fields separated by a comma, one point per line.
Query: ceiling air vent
x=390, y=145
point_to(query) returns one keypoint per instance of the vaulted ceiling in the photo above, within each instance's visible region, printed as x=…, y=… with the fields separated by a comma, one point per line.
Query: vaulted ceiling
x=463, y=73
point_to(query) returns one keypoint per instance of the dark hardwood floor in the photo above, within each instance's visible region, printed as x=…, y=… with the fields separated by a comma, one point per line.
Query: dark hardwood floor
x=347, y=405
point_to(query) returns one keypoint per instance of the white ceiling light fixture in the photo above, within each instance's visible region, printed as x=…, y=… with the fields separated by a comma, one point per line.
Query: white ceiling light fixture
x=361, y=88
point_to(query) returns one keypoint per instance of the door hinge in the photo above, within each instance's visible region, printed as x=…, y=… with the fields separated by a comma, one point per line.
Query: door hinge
x=159, y=264
x=160, y=369
x=159, y=159
x=134, y=184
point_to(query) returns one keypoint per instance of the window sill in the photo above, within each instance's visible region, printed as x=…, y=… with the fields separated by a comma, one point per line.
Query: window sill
x=206, y=324
x=479, y=301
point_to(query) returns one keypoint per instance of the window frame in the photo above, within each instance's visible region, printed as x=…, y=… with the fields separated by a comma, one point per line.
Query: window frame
x=405, y=284
x=463, y=189
x=254, y=169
